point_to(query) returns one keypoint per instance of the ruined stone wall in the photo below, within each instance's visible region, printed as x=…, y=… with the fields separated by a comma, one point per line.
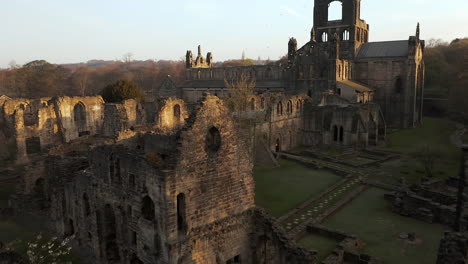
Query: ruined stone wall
x=285, y=121
x=38, y=124
x=213, y=173
x=259, y=72
x=32, y=124
x=453, y=248
x=172, y=114
x=121, y=119
x=114, y=207
x=335, y=126
x=71, y=123
x=178, y=196
x=394, y=86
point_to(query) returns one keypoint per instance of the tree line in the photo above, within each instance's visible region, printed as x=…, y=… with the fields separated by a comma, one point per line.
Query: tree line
x=40, y=78
x=447, y=74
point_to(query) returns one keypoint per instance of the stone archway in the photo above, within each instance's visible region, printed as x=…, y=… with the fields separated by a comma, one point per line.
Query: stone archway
x=79, y=117
x=109, y=229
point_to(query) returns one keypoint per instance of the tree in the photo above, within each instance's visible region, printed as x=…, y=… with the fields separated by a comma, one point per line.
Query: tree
x=41, y=79
x=81, y=80
x=122, y=90
x=241, y=92
x=427, y=155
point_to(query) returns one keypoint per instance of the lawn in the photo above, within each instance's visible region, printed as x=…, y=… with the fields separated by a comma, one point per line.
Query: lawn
x=279, y=190
x=434, y=133
x=465, y=138
x=6, y=189
x=323, y=245
x=370, y=218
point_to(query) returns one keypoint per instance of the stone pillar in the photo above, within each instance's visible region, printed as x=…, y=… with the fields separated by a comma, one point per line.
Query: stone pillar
x=453, y=249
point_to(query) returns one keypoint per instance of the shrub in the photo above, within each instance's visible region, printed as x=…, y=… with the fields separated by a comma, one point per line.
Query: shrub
x=122, y=90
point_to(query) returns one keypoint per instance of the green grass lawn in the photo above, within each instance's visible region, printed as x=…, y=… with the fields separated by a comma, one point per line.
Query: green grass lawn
x=465, y=138
x=323, y=245
x=279, y=190
x=435, y=133
x=5, y=191
x=369, y=217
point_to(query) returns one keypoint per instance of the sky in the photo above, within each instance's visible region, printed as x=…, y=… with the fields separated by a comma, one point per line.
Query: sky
x=68, y=31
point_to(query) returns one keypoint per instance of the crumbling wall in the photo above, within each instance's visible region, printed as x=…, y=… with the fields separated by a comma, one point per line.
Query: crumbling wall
x=172, y=114
x=79, y=116
x=212, y=173
x=32, y=124
x=453, y=248
x=185, y=196
x=271, y=245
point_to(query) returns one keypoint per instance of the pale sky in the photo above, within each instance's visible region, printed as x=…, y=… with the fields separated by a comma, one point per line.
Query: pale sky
x=69, y=31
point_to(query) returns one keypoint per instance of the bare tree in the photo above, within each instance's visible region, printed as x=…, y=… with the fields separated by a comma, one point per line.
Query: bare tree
x=427, y=155
x=127, y=59
x=239, y=101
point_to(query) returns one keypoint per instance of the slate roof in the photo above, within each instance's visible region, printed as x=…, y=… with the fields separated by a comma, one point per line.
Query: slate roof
x=202, y=84
x=398, y=48
x=356, y=86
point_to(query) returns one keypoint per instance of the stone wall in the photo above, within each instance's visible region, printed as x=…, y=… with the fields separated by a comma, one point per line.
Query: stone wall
x=38, y=124
x=349, y=125
x=453, y=248
x=178, y=195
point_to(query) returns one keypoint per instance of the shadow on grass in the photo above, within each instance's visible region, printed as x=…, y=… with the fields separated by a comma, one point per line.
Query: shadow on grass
x=279, y=190
x=369, y=217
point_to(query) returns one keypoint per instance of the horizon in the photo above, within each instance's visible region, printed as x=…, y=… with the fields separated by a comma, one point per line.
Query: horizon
x=69, y=33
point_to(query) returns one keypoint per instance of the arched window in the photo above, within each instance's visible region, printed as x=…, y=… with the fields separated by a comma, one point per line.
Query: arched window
x=213, y=140
x=181, y=214
x=335, y=11
x=278, y=145
x=346, y=35
x=335, y=133
x=341, y=134
x=252, y=104
x=279, y=109
x=147, y=208
x=114, y=170
x=176, y=111
x=199, y=75
x=69, y=228
x=110, y=235
x=131, y=181
x=79, y=116
x=289, y=107
x=398, y=85
x=268, y=73
x=262, y=102
x=86, y=207
x=30, y=117
x=324, y=37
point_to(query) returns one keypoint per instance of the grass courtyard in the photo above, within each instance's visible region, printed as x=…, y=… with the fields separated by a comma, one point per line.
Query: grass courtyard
x=369, y=217
x=434, y=133
x=323, y=245
x=279, y=190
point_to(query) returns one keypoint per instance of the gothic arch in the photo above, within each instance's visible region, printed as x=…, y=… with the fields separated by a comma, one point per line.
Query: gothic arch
x=79, y=117
x=147, y=208
x=335, y=10
x=110, y=235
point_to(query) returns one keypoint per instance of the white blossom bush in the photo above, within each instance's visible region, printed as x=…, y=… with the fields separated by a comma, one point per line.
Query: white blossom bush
x=42, y=250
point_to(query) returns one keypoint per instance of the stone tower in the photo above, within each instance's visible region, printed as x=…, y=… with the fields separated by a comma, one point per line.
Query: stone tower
x=350, y=29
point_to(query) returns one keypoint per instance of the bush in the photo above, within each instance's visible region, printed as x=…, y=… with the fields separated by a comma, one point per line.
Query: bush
x=122, y=90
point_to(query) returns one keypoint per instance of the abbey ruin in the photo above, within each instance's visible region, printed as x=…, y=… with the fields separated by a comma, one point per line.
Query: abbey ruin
x=170, y=181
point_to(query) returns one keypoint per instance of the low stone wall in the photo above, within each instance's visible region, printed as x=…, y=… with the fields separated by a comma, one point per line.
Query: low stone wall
x=409, y=204
x=328, y=232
